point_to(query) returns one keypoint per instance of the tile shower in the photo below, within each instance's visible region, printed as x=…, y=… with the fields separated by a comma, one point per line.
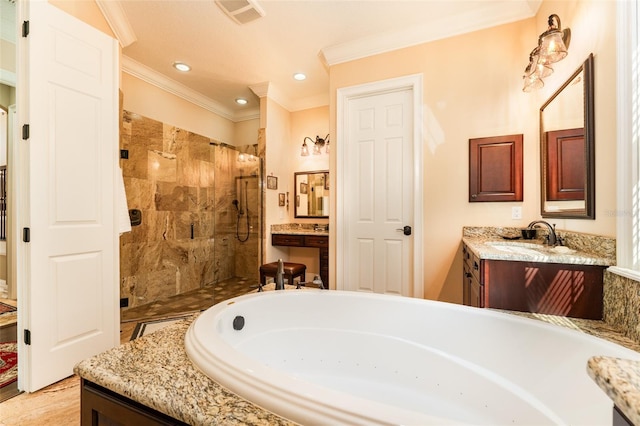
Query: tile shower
x=191, y=191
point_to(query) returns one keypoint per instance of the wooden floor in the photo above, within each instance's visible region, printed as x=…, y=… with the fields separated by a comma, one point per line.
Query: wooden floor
x=59, y=404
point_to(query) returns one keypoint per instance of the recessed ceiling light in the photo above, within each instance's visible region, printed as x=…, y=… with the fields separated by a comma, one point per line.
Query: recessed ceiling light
x=299, y=76
x=241, y=101
x=181, y=66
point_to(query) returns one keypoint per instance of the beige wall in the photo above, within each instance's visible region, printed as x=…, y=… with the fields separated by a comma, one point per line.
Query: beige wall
x=153, y=102
x=246, y=132
x=277, y=124
x=472, y=88
x=309, y=122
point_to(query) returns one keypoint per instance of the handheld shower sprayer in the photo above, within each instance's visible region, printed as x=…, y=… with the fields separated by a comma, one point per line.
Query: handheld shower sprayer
x=238, y=209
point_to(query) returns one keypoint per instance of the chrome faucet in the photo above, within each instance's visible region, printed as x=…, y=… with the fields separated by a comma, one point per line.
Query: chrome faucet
x=280, y=275
x=552, y=238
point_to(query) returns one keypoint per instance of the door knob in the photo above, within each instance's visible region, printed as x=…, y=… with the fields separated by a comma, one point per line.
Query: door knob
x=406, y=230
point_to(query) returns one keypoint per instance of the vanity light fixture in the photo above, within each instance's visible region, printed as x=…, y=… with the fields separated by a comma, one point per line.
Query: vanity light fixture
x=318, y=144
x=305, y=148
x=554, y=42
x=552, y=47
x=181, y=66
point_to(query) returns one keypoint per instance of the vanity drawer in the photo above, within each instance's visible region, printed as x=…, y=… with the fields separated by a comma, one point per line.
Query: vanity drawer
x=472, y=261
x=316, y=241
x=287, y=240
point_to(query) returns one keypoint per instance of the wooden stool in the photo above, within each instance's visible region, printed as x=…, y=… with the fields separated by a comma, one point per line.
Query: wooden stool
x=291, y=271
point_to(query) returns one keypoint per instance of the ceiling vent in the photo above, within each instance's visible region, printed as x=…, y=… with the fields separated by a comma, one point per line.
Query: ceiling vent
x=241, y=11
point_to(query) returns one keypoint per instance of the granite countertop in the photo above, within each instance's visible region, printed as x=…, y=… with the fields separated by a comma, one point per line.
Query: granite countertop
x=302, y=232
x=490, y=247
x=620, y=380
x=155, y=371
x=300, y=229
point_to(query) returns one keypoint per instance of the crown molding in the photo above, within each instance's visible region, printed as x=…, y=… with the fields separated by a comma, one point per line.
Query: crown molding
x=473, y=20
x=144, y=73
x=118, y=21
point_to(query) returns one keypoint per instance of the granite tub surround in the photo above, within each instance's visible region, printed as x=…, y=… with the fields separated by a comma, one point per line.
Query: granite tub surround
x=620, y=380
x=184, y=186
x=622, y=304
x=581, y=249
x=300, y=229
x=155, y=371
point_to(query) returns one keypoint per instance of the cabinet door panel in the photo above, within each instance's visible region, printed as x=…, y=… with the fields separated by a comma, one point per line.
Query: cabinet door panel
x=567, y=290
x=495, y=168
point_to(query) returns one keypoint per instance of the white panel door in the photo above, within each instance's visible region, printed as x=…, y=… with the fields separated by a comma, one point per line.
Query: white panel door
x=378, y=185
x=71, y=281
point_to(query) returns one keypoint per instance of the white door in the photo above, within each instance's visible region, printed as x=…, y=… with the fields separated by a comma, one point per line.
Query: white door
x=378, y=202
x=69, y=271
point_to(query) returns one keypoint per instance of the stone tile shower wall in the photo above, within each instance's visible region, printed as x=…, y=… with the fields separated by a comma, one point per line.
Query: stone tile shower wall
x=184, y=185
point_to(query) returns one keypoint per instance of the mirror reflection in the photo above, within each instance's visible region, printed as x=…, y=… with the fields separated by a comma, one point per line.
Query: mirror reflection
x=567, y=148
x=311, y=194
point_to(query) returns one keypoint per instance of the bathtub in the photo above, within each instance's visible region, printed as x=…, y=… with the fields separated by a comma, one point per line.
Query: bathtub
x=332, y=357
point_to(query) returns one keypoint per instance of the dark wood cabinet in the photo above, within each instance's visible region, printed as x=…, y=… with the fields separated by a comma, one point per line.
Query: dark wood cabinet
x=102, y=407
x=321, y=242
x=473, y=291
x=495, y=169
x=546, y=288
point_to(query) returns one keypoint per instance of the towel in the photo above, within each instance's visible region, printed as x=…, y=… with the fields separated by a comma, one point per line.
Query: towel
x=124, y=223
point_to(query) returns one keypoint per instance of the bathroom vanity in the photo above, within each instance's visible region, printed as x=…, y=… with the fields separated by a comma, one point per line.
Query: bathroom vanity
x=304, y=235
x=527, y=276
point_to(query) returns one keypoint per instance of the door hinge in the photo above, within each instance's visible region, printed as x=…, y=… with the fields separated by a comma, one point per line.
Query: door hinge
x=27, y=336
x=25, y=28
x=25, y=132
x=26, y=235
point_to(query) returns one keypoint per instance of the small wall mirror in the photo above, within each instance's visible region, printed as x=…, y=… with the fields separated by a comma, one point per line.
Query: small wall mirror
x=311, y=194
x=567, y=148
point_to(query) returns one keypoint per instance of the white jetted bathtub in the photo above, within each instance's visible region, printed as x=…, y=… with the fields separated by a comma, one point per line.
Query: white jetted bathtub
x=331, y=357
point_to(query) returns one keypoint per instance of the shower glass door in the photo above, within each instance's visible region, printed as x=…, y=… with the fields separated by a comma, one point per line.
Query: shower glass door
x=238, y=214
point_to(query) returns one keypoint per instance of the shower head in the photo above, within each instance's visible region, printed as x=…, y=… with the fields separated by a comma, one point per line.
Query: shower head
x=235, y=203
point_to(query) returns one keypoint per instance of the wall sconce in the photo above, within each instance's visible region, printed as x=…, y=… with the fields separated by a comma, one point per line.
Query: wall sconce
x=318, y=144
x=552, y=47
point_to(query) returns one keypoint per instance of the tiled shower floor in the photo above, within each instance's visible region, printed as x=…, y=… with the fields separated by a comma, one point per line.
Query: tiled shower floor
x=192, y=301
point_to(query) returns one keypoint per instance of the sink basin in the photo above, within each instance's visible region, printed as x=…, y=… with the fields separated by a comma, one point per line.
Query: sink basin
x=562, y=250
x=518, y=248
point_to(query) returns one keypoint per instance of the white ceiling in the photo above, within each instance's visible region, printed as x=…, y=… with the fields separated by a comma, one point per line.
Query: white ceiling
x=227, y=59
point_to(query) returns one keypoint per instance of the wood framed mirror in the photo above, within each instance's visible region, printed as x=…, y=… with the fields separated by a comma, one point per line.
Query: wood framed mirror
x=311, y=194
x=567, y=148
